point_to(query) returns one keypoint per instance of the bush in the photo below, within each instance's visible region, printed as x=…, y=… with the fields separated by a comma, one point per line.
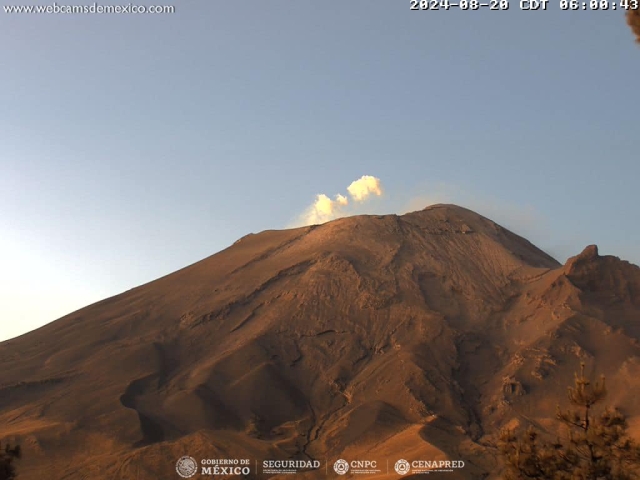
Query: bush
x=7, y=457
x=597, y=447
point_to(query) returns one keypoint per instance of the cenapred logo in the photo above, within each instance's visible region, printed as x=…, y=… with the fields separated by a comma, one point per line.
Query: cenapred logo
x=402, y=467
x=187, y=466
x=341, y=466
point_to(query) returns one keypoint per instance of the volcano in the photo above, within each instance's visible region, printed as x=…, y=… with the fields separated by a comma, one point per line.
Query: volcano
x=367, y=339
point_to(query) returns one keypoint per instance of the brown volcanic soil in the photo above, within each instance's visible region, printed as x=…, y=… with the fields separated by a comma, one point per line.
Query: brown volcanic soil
x=370, y=337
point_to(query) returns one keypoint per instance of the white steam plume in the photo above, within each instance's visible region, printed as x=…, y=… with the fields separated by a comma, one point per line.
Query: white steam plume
x=365, y=186
x=325, y=209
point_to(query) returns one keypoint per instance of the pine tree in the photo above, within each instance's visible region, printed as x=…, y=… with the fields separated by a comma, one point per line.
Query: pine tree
x=7, y=457
x=597, y=448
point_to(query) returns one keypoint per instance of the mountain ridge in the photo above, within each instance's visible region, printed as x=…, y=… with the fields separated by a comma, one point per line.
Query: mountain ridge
x=370, y=335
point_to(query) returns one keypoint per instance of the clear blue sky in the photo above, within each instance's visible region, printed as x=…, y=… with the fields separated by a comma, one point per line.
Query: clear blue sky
x=133, y=145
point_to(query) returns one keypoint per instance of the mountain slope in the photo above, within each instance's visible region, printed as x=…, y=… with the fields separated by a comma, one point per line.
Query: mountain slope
x=382, y=336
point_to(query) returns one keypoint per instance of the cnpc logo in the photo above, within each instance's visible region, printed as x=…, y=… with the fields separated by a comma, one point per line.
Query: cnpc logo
x=341, y=467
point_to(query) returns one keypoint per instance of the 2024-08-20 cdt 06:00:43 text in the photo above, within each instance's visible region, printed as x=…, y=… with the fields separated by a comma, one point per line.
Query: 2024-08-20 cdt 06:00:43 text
x=529, y=5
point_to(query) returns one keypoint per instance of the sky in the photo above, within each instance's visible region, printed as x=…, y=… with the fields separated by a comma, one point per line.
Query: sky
x=133, y=145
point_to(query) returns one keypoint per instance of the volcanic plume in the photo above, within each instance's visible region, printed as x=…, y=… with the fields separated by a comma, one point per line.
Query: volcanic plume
x=325, y=209
x=382, y=338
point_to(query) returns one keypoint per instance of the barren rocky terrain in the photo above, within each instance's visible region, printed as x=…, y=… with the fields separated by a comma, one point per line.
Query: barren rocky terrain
x=370, y=337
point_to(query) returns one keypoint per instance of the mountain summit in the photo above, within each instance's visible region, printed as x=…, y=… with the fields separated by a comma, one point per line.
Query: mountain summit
x=382, y=337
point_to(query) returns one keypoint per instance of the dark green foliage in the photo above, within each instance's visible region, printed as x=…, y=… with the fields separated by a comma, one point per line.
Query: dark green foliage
x=597, y=446
x=527, y=457
x=7, y=457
